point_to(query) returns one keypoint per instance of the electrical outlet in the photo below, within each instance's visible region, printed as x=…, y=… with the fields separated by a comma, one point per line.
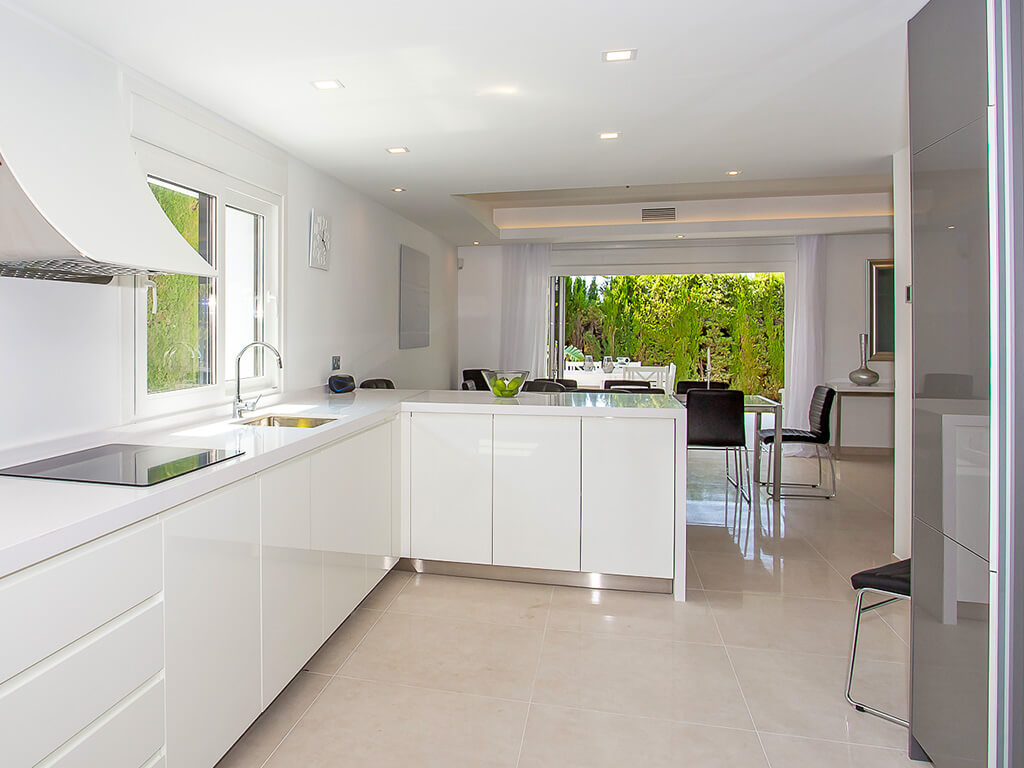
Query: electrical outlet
x=335, y=362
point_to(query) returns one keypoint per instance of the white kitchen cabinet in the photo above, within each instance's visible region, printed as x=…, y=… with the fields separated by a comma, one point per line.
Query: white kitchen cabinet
x=628, y=517
x=212, y=617
x=450, y=487
x=537, y=492
x=47, y=705
x=351, y=518
x=292, y=575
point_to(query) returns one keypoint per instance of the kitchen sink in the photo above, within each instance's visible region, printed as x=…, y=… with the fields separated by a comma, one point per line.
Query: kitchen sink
x=303, y=422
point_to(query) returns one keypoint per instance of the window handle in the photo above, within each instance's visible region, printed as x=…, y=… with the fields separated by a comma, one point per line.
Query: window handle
x=151, y=284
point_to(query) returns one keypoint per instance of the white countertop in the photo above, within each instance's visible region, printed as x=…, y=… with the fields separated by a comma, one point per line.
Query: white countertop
x=595, y=403
x=42, y=518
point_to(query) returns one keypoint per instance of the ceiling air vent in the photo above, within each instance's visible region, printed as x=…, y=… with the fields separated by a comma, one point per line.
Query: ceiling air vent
x=657, y=214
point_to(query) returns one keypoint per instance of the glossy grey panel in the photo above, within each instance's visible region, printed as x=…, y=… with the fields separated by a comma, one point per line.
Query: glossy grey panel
x=951, y=336
x=949, y=690
x=947, y=67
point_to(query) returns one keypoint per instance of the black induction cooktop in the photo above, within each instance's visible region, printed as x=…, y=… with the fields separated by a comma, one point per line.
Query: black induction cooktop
x=122, y=464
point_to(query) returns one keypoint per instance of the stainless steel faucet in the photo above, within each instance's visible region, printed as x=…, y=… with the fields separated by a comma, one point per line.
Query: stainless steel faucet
x=241, y=406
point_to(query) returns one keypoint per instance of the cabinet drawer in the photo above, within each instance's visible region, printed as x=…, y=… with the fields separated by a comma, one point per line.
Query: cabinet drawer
x=47, y=705
x=126, y=737
x=53, y=604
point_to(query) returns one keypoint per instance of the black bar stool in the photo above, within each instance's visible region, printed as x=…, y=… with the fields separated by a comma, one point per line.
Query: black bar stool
x=892, y=582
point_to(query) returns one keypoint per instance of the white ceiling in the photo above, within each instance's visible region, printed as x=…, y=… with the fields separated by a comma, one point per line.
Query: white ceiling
x=780, y=89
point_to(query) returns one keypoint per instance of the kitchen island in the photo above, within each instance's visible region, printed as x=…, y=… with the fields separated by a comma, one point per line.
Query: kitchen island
x=171, y=616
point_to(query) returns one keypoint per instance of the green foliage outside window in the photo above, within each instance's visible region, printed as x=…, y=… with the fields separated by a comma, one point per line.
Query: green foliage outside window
x=178, y=334
x=662, y=319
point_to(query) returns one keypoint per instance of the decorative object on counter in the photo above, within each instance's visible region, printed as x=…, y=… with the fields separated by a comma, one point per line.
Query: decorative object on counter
x=341, y=383
x=413, y=299
x=608, y=364
x=505, y=383
x=319, y=240
x=864, y=376
x=588, y=362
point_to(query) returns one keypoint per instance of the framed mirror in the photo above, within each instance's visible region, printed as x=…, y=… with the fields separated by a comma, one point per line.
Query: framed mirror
x=882, y=308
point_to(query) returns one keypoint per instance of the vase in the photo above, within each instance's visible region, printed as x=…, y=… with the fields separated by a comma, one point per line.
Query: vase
x=864, y=376
x=608, y=364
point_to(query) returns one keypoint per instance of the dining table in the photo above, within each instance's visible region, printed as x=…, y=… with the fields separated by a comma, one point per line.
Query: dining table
x=760, y=405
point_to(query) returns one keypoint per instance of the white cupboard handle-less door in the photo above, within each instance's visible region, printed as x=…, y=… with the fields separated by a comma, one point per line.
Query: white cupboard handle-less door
x=628, y=496
x=451, y=487
x=537, y=492
x=212, y=604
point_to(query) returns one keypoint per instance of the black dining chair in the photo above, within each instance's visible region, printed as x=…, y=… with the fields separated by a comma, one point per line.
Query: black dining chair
x=714, y=421
x=891, y=582
x=569, y=384
x=819, y=417
x=611, y=383
x=632, y=388
x=543, y=385
x=377, y=384
x=476, y=375
x=682, y=387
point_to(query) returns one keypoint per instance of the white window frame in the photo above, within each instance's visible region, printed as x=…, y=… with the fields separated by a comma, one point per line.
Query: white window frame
x=227, y=192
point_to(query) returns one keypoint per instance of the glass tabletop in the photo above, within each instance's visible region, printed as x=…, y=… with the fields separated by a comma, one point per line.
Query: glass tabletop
x=759, y=403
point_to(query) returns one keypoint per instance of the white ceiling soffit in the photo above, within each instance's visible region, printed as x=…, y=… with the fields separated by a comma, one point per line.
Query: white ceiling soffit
x=744, y=217
x=516, y=100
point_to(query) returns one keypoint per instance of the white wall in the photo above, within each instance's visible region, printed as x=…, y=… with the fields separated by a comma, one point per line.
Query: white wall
x=479, y=306
x=65, y=349
x=867, y=422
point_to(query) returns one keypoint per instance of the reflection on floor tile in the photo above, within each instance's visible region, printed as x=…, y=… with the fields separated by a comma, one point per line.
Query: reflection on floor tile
x=750, y=671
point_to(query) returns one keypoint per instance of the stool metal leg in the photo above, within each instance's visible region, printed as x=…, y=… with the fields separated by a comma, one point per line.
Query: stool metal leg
x=858, y=611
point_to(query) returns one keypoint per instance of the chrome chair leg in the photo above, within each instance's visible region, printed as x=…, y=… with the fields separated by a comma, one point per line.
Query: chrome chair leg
x=858, y=612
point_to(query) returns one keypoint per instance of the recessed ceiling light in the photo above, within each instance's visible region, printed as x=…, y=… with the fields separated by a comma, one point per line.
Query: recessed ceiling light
x=610, y=135
x=327, y=85
x=951, y=226
x=733, y=172
x=625, y=54
x=499, y=90
x=397, y=150
x=398, y=189
x=476, y=242
x=680, y=237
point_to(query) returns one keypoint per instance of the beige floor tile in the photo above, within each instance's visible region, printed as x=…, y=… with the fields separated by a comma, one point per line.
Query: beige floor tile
x=640, y=677
x=363, y=724
x=748, y=540
x=256, y=744
x=339, y=645
x=795, y=752
x=803, y=624
x=557, y=737
x=499, y=602
x=467, y=657
x=770, y=575
x=633, y=613
x=386, y=591
x=801, y=694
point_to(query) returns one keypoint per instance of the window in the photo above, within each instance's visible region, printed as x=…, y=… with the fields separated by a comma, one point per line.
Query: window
x=179, y=326
x=189, y=329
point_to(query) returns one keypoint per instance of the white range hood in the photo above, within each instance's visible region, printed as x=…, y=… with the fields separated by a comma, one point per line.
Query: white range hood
x=74, y=202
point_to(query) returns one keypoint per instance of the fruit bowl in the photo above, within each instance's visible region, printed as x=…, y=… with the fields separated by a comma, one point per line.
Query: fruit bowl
x=505, y=383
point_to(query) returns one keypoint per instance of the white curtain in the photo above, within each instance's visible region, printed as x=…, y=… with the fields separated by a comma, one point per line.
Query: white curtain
x=525, y=277
x=807, y=347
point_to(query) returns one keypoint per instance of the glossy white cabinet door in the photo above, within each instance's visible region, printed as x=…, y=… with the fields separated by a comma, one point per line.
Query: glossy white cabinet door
x=537, y=492
x=378, y=466
x=292, y=575
x=451, y=487
x=212, y=609
x=628, y=496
